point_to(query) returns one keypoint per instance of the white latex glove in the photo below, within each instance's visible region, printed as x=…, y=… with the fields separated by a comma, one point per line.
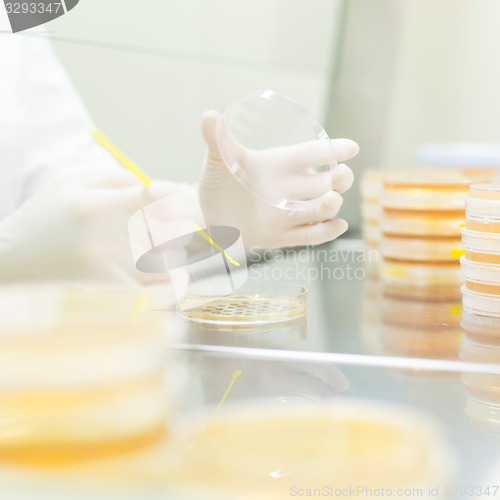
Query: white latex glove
x=226, y=202
x=76, y=228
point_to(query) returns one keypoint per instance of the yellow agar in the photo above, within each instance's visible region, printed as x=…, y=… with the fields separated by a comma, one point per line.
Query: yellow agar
x=48, y=432
x=483, y=227
x=487, y=288
x=485, y=258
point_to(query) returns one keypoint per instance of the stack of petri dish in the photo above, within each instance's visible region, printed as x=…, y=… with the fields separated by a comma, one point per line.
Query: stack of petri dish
x=422, y=214
x=371, y=187
x=81, y=375
x=481, y=242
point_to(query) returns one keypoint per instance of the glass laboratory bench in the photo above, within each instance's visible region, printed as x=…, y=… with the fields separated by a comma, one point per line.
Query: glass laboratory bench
x=367, y=396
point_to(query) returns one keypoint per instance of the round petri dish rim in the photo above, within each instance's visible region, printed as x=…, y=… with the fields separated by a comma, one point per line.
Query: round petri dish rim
x=240, y=174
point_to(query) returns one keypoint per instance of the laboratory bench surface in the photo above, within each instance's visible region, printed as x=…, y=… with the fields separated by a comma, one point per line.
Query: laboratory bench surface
x=358, y=347
x=350, y=315
x=357, y=342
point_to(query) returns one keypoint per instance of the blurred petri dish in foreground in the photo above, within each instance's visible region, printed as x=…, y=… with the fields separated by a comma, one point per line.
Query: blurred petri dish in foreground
x=265, y=449
x=81, y=375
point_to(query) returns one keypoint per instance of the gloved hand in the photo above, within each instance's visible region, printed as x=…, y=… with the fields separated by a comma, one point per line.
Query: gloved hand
x=226, y=202
x=76, y=228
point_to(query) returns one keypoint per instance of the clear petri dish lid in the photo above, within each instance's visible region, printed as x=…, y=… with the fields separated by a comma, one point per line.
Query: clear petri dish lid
x=276, y=149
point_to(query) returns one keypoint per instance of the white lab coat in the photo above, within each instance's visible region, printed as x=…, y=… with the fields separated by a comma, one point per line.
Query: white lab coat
x=44, y=126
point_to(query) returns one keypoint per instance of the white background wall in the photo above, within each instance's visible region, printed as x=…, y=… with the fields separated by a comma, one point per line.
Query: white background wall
x=147, y=69
x=413, y=71
x=447, y=78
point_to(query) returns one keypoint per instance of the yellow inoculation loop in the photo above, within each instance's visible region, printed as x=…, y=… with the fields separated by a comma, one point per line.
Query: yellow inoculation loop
x=119, y=156
x=236, y=374
x=211, y=241
x=456, y=254
x=132, y=167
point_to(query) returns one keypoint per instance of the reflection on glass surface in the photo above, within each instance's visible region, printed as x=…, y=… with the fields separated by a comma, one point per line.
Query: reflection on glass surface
x=351, y=310
x=280, y=383
x=273, y=335
x=481, y=343
x=419, y=328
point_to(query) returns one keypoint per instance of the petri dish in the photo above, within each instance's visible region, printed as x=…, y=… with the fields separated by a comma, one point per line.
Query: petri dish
x=370, y=211
x=482, y=225
x=253, y=304
x=258, y=123
x=415, y=191
x=422, y=222
x=480, y=303
x=484, y=329
x=372, y=184
x=481, y=247
x=371, y=233
x=422, y=279
x=482, y=210
x=481, y=277
x=265, y=449
x=435, y=249
x=485, y=191
x=81, y=375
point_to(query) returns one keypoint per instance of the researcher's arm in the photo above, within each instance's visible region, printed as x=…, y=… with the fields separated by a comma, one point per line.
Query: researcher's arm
x=54, y=121
x=75, y=228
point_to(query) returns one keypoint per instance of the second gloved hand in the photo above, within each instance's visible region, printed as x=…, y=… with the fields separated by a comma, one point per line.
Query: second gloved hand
x=76, y=228
x=226, y=202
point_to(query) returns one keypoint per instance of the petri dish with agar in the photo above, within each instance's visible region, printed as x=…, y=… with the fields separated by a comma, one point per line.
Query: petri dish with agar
x=258, y=124
x=81, y=375
x=265, y=449
x=432, y=192
x=483, y=208
x=253, y=304
x=485, y=191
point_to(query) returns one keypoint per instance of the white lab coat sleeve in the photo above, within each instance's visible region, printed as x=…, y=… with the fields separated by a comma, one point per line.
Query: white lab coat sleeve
x=55, y=123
